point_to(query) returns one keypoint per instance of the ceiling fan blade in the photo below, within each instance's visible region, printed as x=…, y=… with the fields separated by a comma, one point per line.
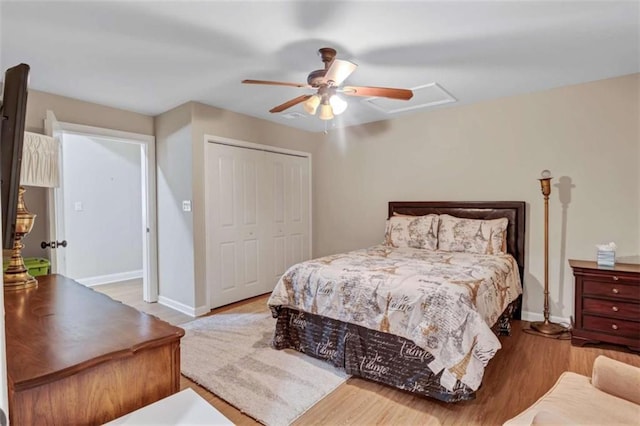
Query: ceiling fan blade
x=381, y=92
x=339, y=71
x=289, y=104
x=274, y=83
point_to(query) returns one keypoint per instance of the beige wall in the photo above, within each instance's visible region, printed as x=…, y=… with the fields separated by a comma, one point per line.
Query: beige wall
x=71, y=111
x=587, y=135
x=175, y=227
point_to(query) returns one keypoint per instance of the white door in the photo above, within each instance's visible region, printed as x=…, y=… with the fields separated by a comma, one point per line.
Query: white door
x=55, y=228
x=258, y=222
x=290, y=219
x=235, y=220
x=56, y=205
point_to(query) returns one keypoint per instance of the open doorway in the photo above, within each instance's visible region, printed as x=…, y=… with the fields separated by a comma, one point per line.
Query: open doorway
x=104, y=209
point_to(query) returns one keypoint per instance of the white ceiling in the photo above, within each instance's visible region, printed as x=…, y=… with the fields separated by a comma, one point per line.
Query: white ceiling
x=149, y=57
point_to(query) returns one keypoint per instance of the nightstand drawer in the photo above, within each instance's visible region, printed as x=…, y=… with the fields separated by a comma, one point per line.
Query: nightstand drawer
x=617, y=327
x=610, y=289
x=611, y=308
x=612, y=277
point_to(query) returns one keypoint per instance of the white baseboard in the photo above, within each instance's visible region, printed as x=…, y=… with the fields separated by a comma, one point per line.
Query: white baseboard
x=535, y=316
x=181, y=307
x=111, y=278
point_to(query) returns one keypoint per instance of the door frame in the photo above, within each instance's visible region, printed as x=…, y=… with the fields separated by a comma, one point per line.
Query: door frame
x=208, y=138
x=147, y=145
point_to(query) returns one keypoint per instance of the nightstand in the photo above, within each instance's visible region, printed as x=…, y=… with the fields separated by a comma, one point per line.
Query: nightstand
x=607, y=304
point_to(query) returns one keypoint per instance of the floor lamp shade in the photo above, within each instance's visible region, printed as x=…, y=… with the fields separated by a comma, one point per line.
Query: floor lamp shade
x=40, y=167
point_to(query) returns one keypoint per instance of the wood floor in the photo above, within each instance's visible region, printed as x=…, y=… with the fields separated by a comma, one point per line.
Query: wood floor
x=130, y=293
x=522, y=371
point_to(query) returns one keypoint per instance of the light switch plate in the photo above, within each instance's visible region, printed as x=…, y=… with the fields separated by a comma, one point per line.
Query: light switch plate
x=77, y=206
x=186, y=205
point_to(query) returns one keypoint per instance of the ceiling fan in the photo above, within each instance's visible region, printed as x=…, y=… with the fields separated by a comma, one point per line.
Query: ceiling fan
x=327, y=83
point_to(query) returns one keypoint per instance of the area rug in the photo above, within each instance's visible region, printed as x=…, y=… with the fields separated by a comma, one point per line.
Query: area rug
x=230, y=355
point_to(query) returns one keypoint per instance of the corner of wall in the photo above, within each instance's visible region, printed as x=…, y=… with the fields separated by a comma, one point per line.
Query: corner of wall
x=185, y=309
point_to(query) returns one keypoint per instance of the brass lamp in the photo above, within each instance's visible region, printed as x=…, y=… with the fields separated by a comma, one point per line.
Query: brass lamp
x=40, y=167
x=547, y=328
x=17, y=277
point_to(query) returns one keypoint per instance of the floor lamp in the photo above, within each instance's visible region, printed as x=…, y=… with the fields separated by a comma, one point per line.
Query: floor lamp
x=40, y=167
x=546, y=327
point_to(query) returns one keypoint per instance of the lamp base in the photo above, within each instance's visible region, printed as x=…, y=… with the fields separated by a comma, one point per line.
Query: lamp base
x=18, y=281
x=548, y=328
x=17, y=277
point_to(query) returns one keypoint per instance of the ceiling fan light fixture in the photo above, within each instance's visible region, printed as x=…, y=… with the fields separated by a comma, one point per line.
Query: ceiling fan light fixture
x=338, y=105
x=327, y=82
x=326, y=112
x=311, y=104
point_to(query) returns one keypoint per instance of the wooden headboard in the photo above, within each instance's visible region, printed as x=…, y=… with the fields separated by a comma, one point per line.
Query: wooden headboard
x=514, y=211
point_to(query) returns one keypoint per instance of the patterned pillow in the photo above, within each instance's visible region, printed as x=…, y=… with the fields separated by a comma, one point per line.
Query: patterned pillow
x=472, y=235
x=412, y=231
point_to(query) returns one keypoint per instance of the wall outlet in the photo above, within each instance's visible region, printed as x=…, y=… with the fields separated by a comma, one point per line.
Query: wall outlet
x=186, y=206
x=77, y=206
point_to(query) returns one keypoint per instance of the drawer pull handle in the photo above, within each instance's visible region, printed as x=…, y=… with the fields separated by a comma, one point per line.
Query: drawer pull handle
x=615, y=327
x=615, y=290
x=615, y=278
x=614, y=309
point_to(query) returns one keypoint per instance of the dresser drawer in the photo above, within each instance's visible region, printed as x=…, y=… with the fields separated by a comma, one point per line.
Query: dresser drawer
x=611, y=288
x=612, y=277
x=611, y=308
x=612, y=326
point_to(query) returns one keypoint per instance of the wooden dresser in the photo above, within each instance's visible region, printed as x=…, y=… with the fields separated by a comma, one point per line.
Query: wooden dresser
x=607, y=304
x=76, y=356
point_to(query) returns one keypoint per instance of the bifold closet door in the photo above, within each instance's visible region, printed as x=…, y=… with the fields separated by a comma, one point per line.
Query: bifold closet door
x=290, y=220
x=258, y=221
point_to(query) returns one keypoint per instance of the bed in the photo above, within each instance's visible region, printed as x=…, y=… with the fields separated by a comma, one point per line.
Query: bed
x=421, y=320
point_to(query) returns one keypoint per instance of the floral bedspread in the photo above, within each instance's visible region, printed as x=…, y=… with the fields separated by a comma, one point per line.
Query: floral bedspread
x=445, y=302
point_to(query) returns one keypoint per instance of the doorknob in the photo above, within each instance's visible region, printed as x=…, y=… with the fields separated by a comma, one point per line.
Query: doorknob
x=53, y=244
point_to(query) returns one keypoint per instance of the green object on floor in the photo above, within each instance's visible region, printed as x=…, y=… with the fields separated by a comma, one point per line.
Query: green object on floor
x=35, y=265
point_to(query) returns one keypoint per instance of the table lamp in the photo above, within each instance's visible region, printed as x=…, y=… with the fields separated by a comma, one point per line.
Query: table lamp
x=40, y=167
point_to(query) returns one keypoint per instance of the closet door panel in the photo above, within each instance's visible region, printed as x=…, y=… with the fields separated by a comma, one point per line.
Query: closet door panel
x=228, y=264
x=290, y=222
x=279, y=258
x=225, y=252
x=298, y=214
x=276, y=167
x=248, y=200
x=233, y=222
